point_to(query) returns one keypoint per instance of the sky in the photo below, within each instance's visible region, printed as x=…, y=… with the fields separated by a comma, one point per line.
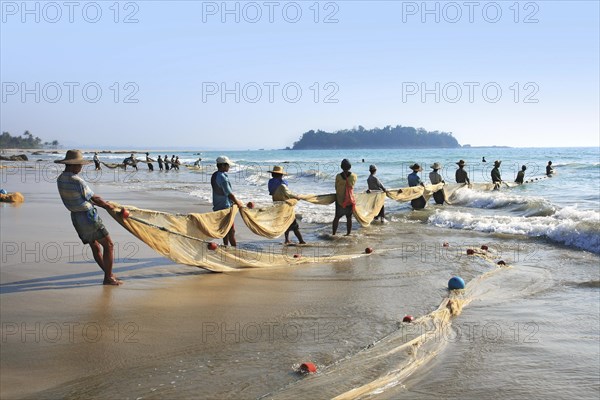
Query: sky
x=248, y=75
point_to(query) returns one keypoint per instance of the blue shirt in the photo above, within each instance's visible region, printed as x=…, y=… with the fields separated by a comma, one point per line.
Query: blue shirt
x=74, y=192
x=221, y=189
x=76, y=195
x=274, y=183
x=413, y=179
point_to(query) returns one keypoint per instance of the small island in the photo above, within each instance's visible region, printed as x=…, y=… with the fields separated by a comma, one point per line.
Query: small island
x=398, y=137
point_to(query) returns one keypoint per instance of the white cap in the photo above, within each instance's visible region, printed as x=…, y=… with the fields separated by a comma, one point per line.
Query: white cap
x=223, y=160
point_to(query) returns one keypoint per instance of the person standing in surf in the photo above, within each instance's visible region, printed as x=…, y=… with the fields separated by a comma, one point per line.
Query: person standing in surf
x=375, y=184
x=461, y=175
x=435, y=178
x=222, y=194
x=549, y=169
x=279, y=191
x=413, y=181
x=496, y=178
x=149, y=162
x=521, y=175
x=344, y=196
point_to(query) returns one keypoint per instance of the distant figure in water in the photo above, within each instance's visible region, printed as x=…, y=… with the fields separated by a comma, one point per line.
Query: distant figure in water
x=160, y=163
x=521, y=175
x=363, y=160
x=130, y=161
x=483, y=159
x=461, y=175
x=496, y=178
x=549, y=169
x=197, y=162
x=344, y=193
x=149, y=161
x=375, y=184
x=97, y=161
x=435, y=178
x=166, y=160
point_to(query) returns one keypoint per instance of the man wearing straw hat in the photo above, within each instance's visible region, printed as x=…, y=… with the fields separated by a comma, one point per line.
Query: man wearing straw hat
x=461, y=175
x=278, y=189
x=415, y=180
x=80, y=200
x=435, y=178
x=496, y=178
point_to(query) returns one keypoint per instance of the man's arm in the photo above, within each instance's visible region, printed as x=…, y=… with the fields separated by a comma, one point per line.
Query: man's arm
x=97, y=200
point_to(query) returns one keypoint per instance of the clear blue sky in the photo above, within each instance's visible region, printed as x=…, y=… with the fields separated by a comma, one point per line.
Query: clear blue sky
x=361, y=63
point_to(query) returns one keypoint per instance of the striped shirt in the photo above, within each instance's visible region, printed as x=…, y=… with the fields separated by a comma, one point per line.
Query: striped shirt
x=74, y=192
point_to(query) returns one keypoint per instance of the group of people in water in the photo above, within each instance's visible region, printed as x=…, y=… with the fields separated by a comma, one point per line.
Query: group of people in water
x=345, y=182
x=165, y=163
x=81, y=201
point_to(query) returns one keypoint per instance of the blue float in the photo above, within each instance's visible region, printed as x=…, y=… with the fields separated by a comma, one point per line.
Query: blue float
x=456, y=282
x=2, y=191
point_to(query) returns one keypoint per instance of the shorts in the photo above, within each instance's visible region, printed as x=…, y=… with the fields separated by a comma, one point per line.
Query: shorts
x=89, y=226
x=341, y=211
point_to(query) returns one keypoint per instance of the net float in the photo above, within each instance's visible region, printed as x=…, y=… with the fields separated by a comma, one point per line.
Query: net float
x=308, y=368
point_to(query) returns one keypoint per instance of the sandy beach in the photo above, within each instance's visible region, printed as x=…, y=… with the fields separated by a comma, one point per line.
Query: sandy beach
x=175, y=331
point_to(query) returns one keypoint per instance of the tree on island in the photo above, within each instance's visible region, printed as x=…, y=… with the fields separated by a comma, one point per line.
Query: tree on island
x=25, y=141
x=378, y=138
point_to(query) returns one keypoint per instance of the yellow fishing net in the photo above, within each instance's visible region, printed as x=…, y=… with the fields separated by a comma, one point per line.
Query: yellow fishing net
x=184, y=238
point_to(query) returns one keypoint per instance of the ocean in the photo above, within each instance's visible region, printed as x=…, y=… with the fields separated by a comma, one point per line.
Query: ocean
x=528, y=330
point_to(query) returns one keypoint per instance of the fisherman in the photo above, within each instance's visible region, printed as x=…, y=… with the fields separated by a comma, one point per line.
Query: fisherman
x=375, y=184
x=435, y=178
x=80, y=201
x=222, y=194
x=130, y=161
x=197, y=162
x=496, y=178
x=415, y=180
x=278, y=189
x=549, y=169
x=160, y=163
x=97, y=161
x=461, y=175
x=521, y=175
x=166, y=160
x=149, y=161
x=344, y=194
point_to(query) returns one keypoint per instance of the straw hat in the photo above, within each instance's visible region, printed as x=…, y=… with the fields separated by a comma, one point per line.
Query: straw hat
x=461, y=163
x=497, y=163
x=73, y=157
x=416, y=167
x=278, y=170
x=223, y=160
x=436, y=165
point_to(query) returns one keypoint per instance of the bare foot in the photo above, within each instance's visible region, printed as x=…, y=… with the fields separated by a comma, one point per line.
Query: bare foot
x=302, y=242
x=112, y=281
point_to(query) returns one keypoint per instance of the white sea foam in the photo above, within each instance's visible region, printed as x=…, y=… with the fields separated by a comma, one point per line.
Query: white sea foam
x=569, y=226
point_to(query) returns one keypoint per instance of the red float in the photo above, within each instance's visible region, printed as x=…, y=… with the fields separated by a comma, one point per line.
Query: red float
x=408, y=318
x=484, y=247
x=368, y=250
x=124, y=213
x=212, y=246
x=308, y=368
x=250, y=205
x=470, y=252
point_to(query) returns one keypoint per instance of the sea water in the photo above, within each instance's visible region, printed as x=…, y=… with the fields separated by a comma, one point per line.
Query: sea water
x=530, y=330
